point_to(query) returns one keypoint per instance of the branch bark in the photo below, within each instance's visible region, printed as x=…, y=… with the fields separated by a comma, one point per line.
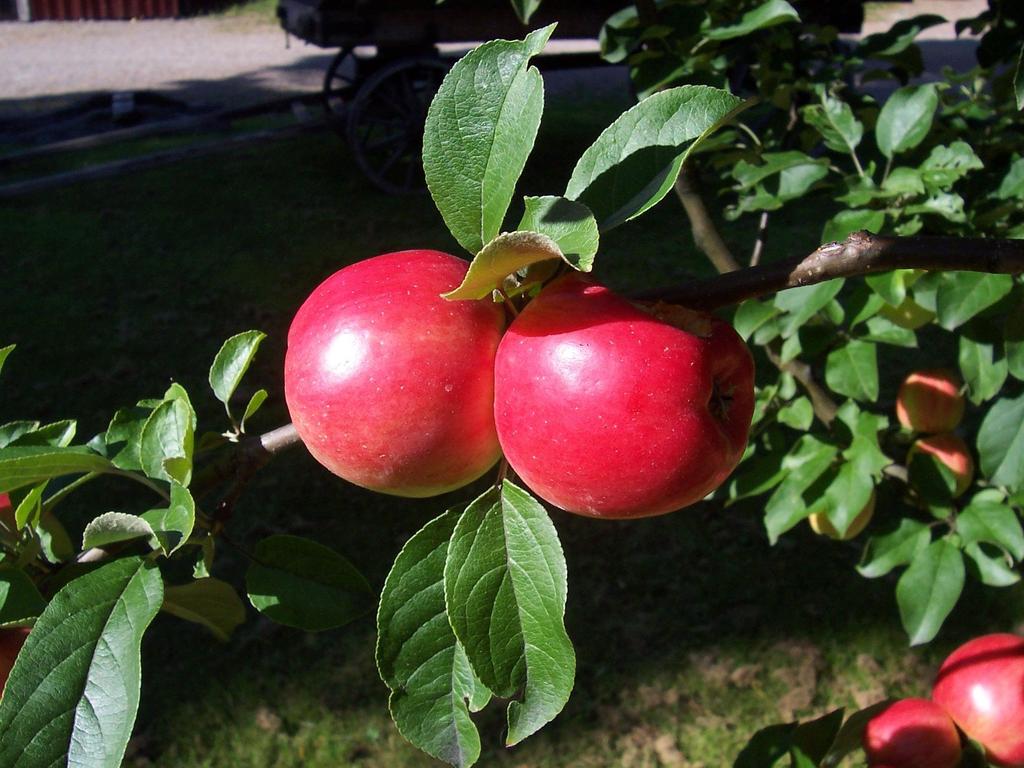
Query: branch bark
x=862, y=253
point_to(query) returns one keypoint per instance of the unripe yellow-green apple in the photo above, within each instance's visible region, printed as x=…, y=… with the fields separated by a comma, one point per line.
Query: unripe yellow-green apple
x=908, y=314
x=930, y=401
x=951, y=451
x=391, y=386
x=822, y=525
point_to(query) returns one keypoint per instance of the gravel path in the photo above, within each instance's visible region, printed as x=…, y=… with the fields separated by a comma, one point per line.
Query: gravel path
x=215, y=62
x=238, y=61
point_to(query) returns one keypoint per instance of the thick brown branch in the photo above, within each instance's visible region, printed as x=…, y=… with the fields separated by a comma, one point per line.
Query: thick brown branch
x=862, y=253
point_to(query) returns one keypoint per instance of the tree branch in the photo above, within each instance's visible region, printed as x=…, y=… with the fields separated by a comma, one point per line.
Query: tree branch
x=705, y=234
x=862, y=253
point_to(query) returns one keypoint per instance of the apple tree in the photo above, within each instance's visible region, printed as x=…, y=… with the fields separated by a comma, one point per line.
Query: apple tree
x=739, y=101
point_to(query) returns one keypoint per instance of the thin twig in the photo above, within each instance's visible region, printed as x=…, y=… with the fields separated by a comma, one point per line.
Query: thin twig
x=705, y=234
x=759, y=243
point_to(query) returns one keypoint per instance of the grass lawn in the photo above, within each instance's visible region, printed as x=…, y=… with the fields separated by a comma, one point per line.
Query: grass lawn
x=690, y=631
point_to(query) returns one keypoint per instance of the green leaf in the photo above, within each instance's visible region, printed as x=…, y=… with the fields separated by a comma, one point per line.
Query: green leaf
x=22, y=466
x=168, y=434
x=962, y=295
x=815, y=737
x=113, y=527
x=891, y=286
x=983, y=374
x=525, y=9
x=303, y=584
x=796, y=173
x=4, y=352
x=948, y=205
x=851, y=369
x=13, y=430
x=570, y=224
x=768, y=14
x=884, y=331
x=172, y=526
x=993, y=569
x=53, y=539
x=808, y=461
x=891, y=550
x=757, y=475
x=433, y=687
x=928, y=590
x=766, y=747
x=20, y=601
x=903, y=182
x=805, y=302
x=480, y=129
x=1012, y=185
x=211, y=602
x=634, y=162
x=232, y=361
x=74, y=690
x=257, y=399
x=1000, y=442
x=835, y=121
x=59, y=434
x=751, y=315
x=126, y=427
x=1013, y=341
x=906, y=118
x=992, y=523
x=947, y=165
x=501, y=257
x=851, y=736
x=505, y=590
x=29, y=508
x=844, y=223
x=798, y=414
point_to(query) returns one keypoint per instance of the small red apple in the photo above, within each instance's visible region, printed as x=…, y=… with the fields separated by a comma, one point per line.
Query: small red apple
x=390, y=386
x=930, y=401
x=820, y=523
x=613, y=410
x=11, y=641
x=951, y=451
x=912, y=733
x=981, y=686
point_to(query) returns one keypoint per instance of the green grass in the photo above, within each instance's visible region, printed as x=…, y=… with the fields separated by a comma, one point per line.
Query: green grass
x=691, y=632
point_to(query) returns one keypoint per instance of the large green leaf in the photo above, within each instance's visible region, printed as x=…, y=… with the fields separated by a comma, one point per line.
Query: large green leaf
x=906, y=118
x=22, y=466
x=836, y=123
x=1001, y=443
x=805, y=464
x=232, y=361
x=993, y=523
x=962, y=295
x=947, y=165
x=433, y=688
x=480, y=129
x=768, y=14
x=211, y=602
x=851, y=369
x=570, y=224
x=167, y=442
x=928, y=590
x=74, y=691
x=20, y=600
x=891, y=550
x=804, y=302
x=114, y=527
x=505, y=590
x=301, y=583
x=983, y=373
x=635, y=161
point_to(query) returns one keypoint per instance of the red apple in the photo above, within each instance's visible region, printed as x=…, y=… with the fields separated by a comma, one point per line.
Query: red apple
x=609, y=409
x=912, y=733
x=930, y=401
x=981, y=686
x=390, y=386
x=951, y=451
x=11, y=641
x=820, y=523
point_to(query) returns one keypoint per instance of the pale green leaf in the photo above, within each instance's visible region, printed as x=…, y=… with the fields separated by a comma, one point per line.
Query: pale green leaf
x=501, y=257
x=906, y=118
x=570, y=224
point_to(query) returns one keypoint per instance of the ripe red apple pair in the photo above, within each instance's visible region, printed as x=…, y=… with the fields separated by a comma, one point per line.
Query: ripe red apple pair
x=603, y=407
x=980, y=687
